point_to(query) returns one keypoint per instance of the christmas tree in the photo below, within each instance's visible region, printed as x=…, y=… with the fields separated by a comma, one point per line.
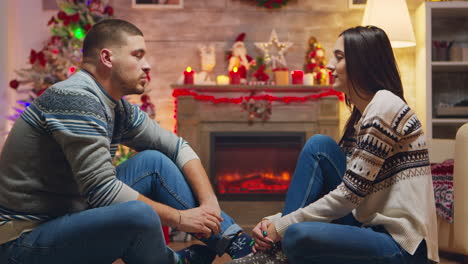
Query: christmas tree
x=61, y=55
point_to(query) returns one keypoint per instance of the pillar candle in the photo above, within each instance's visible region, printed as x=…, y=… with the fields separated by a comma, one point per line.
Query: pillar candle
x=309, y=79
x=189, y=76
x=234, y=76
x=297, y=77
x=222, y=80
x=330, y=78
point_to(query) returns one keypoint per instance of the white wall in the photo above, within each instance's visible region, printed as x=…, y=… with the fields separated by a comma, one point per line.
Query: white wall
x=23, y=26
x=4, y=69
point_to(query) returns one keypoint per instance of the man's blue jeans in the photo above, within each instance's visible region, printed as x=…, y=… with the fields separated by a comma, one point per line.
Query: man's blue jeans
x=320, y=169
x=131, y=230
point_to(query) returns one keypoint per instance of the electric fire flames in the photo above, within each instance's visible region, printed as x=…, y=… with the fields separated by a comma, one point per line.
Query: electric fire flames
x=255, y=182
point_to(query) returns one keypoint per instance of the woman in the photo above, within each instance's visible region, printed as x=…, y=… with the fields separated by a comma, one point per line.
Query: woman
x=370, y=198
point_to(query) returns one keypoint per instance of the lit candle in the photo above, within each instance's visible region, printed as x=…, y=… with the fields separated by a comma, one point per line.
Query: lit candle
x=297, y=77
x=309, y=79
x=222, y=80
x=189, y=76
x=234, y=76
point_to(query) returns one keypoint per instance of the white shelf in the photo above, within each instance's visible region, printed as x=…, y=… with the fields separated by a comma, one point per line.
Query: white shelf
x=449, y=66
x=442, y=21
x=449, y=120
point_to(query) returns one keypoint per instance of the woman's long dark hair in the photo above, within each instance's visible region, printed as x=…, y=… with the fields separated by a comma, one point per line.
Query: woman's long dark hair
x=370, y=65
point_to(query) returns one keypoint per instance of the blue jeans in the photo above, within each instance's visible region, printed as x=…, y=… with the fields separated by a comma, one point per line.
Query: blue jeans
x=131, y=230
x=320, y=169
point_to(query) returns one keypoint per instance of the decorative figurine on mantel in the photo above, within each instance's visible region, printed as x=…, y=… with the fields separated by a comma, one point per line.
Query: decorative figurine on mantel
x=239, y=58
x=208, y=62
x=275, y=59
x=315, y=63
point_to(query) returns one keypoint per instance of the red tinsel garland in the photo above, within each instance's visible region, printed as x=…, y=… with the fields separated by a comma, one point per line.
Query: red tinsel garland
x=238, y=100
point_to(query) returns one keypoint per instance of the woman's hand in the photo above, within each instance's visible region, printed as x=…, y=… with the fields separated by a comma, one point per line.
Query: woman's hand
x=273, y=234
x=261, y=236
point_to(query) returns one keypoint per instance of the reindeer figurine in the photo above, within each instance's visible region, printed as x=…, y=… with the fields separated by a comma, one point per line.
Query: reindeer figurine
x=208, y=62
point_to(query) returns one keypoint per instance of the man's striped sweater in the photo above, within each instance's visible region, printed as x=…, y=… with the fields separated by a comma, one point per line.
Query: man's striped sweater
x=58, y=156
x=388, y=178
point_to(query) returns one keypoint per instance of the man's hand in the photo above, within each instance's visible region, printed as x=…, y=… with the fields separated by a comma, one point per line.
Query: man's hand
x=260, y=234
x=198, y=220
x=211, y=206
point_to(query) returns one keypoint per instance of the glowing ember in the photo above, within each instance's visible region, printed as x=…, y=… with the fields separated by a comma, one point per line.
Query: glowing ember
x=256, y=182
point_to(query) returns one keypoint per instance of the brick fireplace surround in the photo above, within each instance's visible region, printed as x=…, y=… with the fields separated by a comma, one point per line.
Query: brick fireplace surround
x=197, y=120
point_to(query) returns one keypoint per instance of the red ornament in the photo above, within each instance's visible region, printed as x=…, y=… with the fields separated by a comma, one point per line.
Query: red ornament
x=62, y=15
x=52, y=21
x=109, y=10
x=32, y=56
x=87, y=27
x=260, y=74
x=14, y=84
x=66, y=22
x=144, y=98
x=147, y=106
x=42, y=59
x=75, y=18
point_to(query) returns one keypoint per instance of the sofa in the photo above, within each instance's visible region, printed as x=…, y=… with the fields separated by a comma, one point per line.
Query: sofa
x=454, y=237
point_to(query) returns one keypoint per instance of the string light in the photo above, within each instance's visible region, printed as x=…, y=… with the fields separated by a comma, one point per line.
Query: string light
x=79, y=33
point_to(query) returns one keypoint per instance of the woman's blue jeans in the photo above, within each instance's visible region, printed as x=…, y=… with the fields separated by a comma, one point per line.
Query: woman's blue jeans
x=320, y=169
x=131, y=231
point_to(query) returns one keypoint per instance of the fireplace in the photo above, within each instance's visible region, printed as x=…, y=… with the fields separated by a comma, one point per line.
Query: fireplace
x=255, y=165
x=200, y=122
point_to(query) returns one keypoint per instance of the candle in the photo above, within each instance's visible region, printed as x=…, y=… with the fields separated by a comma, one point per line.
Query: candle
x=297, y=77
x=309, y=79
x=330, y=78
x=222, y=80
x=234, y=76
x=281, y=76
x=189, y=76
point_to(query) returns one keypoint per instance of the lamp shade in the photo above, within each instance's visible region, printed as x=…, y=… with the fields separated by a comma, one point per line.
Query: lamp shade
x=393, y=17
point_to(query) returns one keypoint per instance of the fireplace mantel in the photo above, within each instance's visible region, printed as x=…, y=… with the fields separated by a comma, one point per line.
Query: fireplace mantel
x=197, y=119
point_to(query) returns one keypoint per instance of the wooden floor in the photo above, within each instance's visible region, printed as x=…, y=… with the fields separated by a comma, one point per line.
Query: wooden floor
x=445, y=258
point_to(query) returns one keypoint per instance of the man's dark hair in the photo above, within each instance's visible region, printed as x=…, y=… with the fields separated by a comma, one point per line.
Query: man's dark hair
x=107, y=33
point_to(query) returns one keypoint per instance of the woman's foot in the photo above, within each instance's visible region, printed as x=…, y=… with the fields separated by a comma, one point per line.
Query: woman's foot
x=196, y=254
x=274, y=255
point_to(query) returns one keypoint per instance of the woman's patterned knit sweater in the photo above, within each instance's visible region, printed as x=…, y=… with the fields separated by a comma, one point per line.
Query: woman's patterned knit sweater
x=388, y=179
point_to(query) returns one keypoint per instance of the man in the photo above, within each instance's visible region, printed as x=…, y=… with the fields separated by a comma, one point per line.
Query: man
x=62, y=200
